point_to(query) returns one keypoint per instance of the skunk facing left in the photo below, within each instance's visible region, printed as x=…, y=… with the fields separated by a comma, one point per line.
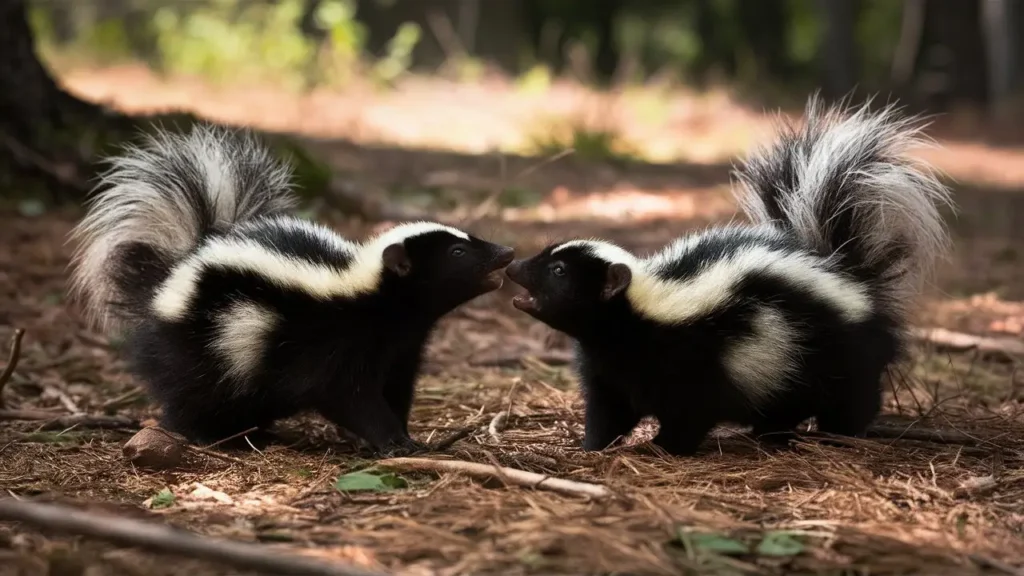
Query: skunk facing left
x=236, y=314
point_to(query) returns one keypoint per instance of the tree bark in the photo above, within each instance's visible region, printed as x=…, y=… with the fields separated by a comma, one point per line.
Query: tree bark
x=34, y=110
x=839, y=63
x=765, y=26
x=28, y=93
x=952, y=42
x=49, y=138
x=1003, y=20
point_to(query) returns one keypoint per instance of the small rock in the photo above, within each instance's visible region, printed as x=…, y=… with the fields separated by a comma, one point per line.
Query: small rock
x=155, y=448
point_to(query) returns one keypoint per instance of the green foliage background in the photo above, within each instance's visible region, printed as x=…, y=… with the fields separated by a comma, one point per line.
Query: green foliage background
x=241, y=40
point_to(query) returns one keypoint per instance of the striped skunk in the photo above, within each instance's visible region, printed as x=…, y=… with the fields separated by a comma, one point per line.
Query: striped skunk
x=796, y=315
x=237, y=314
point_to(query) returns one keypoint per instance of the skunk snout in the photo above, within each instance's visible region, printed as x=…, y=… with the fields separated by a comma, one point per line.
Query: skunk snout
x=505, y=256
x=514, y=271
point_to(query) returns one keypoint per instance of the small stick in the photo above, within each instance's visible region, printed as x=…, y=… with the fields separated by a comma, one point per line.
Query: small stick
x=55, y=421
x=517, y=360
x=125, y=398
x=167, y=539
x=217, y=455
x=454, y=437
x=232, y=437
x=933, y=435
x=511, y=475
x=481, y=209
x=996, y=564
x=64, y=399
x=12, y=361
x=497, y=425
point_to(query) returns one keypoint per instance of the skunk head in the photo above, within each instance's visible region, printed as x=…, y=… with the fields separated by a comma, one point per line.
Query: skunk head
x=569, y=284
x=441, y=266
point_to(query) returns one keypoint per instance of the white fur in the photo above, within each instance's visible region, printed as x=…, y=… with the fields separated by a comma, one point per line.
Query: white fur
x=173, y=299
x=759, y=363
x=897, y=200
x=145, y=202
x=241, y=337
x=677, y=302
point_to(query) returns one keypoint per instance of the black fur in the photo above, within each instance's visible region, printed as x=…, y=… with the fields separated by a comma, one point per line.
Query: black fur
x=354, y=360
x=630, y=366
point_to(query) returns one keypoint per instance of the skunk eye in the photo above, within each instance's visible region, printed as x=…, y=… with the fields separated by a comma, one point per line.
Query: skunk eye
x=558, y=269
x=458, y=251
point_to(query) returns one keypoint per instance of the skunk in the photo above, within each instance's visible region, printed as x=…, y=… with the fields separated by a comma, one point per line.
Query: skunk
x=237, y=314
x=794, y=315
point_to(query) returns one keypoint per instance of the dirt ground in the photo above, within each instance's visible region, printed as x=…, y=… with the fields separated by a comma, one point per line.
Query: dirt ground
x=944, y=495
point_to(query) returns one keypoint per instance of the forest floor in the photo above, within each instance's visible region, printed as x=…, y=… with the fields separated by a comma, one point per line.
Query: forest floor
x=943, y=496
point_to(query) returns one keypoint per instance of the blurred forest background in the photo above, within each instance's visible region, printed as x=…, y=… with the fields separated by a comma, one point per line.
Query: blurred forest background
x=936, y=53
x=961, y=58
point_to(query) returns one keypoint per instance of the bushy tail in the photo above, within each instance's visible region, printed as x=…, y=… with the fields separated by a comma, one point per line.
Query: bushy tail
x=845, y=186
x=157, y=202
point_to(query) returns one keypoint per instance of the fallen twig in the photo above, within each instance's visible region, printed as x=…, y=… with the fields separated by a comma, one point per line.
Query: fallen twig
x=55, y=421
x=66, y=175
x=959, y=342
x=12, y=361
x=484, y=207
x=454, y=437
x=122, y=400
x=933, y=435
x=985, y=561
x=64, y=399
x=232, y=437
x=517, y=360
x=497, y=425
x=161, y=538
x=511, y=475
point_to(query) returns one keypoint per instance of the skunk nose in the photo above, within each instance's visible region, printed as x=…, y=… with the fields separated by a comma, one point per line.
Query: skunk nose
x=506, y=255
x=514, y=269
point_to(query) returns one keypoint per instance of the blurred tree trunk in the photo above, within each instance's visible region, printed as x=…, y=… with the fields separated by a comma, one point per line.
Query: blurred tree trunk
x=30, y=99
x=35, y=111
x=551, y=28
x=715, y=49
x=949, y=60
x=840, y=67
x=1004, y=24
x=606, y=61
x=49, y=138
x=765, y=26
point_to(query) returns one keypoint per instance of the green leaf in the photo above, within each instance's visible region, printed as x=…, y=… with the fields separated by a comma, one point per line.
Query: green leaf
x=368, y=482
x=715, y=543
x=779, y=544
x=163, y=499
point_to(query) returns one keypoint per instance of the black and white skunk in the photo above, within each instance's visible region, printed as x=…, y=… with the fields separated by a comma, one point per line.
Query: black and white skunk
x=237, y=314
x=796, y=315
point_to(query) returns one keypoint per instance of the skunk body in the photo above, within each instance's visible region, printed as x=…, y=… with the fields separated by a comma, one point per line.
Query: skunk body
x=793, y=316
x=237, y=314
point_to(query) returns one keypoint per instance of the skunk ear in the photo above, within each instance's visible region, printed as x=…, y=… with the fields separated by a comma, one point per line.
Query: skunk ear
x=617, y=279
x=396, y=260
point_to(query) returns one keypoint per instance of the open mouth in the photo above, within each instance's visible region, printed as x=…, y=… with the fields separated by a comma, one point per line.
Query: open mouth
x=495, y=278
x=493, y=281
x=525, y=303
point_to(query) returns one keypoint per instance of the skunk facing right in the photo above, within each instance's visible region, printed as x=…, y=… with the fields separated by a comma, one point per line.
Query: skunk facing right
x=237, y=314
x=793, y=316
